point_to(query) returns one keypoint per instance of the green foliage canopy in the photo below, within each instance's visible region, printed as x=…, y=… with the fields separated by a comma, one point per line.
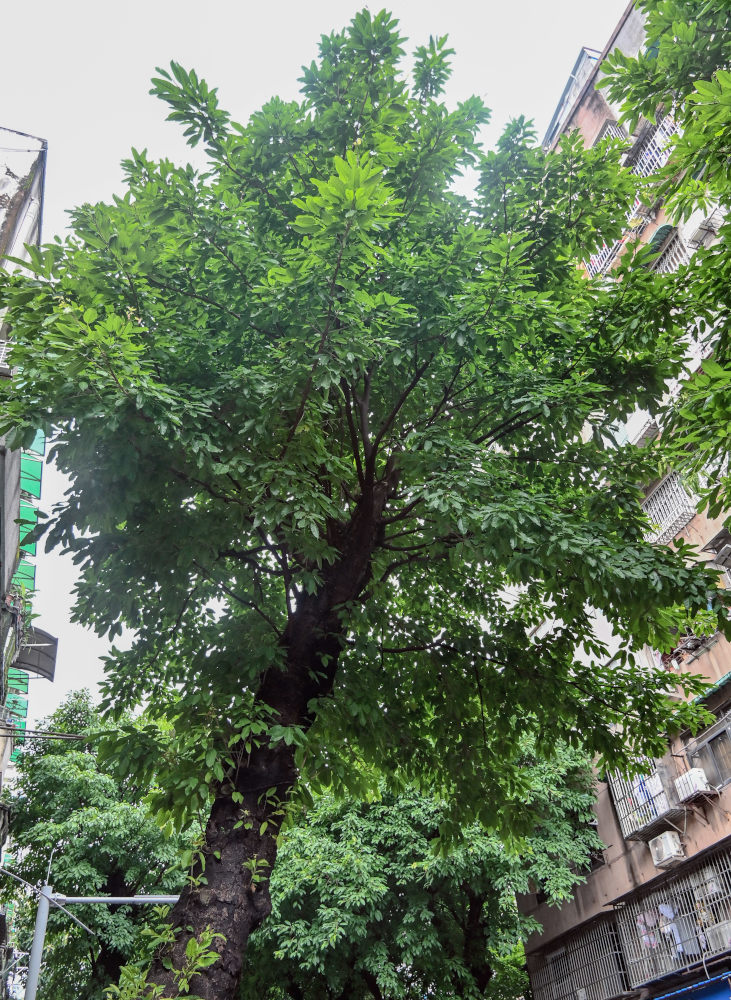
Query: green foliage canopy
x=340, y=440
x=100, y=839
x=362, y=907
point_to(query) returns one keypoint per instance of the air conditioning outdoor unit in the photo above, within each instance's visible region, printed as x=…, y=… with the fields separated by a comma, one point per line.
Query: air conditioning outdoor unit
x=718, y=937
x=723, y=557
x=709, y=227
x=692, y=784
x=580, y=994
x=666, y=850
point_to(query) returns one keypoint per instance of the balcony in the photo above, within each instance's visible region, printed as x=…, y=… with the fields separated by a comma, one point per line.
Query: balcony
x=601, y=262
x=652, y=149
x=670, y=507
x=587, y=966
x=646, y=803
x=676, y=926
x=687, y=920
x=649, y=154
x=675, y=254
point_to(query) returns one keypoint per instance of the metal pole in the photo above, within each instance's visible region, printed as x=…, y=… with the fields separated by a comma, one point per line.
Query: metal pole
x=48, y=898
x=39, y=934
x=58, y=898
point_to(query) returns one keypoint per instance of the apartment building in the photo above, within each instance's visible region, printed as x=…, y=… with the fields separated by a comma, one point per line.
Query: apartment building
x=653, y=918
x=26, y=651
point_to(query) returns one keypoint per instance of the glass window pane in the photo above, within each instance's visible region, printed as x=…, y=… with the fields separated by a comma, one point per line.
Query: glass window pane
x=703, y=757
x=721, y=746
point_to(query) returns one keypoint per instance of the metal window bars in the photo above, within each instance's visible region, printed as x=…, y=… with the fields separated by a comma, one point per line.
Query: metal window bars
x=600, y=262
x=679, y=924
x=644, y=159
x=610, y=130
x=670, y=508
x=653, y=150
x=645, y=801
x=675, y=255
x=589, y=965
x=5, y=347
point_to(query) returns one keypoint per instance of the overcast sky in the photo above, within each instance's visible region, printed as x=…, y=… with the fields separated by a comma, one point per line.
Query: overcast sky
x=77, y=74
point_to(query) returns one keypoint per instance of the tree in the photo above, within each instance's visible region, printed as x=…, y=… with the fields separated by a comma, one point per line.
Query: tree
x=340, y=441
x=685, y=70
x=99, y=838
x=363, y=907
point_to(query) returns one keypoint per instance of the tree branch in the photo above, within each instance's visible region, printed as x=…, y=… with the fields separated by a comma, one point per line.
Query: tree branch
x=398, y=404
x=308, y=384
x=244, y=601
x=353, y=434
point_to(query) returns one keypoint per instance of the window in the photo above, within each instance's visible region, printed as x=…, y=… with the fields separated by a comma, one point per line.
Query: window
x=641, y=800
x=588, y=965
x=715, y=758
x=686, y=919
x=610, y=130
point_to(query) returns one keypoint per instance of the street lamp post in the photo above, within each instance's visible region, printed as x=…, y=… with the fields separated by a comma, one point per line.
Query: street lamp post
x=49, y=898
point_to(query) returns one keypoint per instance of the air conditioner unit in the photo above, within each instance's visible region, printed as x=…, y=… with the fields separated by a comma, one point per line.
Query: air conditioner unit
x=718, y=937
x=666, y=850
x=580, y=994
x=692, y=784
x=723, y=557
x=709, y=227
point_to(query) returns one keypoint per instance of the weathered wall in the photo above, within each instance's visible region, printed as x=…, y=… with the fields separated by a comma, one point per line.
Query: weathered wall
x=628, y=863
x=591, y=109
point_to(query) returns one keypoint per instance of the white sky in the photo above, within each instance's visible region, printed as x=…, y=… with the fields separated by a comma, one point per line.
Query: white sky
x=77, y=74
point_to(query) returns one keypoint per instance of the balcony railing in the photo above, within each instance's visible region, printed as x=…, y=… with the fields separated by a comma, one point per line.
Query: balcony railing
x=610, y=130
x=587, y=966
x=646, y=802
x=682, y=923
x=653, y=150
x=670, y=507
x=675, y=255
x=644, y=159
x=685, y=921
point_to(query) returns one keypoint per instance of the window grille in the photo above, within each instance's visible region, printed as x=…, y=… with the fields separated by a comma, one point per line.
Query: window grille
x=610, y=130
x=675, y=255
x=715, y=758
x=643, y=801
x=601, y=262
x=653, y=150
x=645, y=159
x=5, y=347
x=588, y=966
x=670, y=507
x=686, y=920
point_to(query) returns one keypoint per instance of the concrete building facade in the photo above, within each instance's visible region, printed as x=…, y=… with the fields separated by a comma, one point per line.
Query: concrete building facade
x=25, y=651
x=653, y=917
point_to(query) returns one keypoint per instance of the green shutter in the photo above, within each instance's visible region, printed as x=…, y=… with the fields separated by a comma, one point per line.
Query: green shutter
x=18, y=680
x=28, y=521
x=17, y=705
x=31, y=470
x=25, y=575
x=39, y=444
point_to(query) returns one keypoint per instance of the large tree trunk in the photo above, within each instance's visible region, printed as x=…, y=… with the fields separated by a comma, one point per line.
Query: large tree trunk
x=229, y=892
x=240, y=841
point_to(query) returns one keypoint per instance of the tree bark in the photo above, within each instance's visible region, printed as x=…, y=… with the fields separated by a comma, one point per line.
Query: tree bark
x=372, y=984
x=240, y=840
